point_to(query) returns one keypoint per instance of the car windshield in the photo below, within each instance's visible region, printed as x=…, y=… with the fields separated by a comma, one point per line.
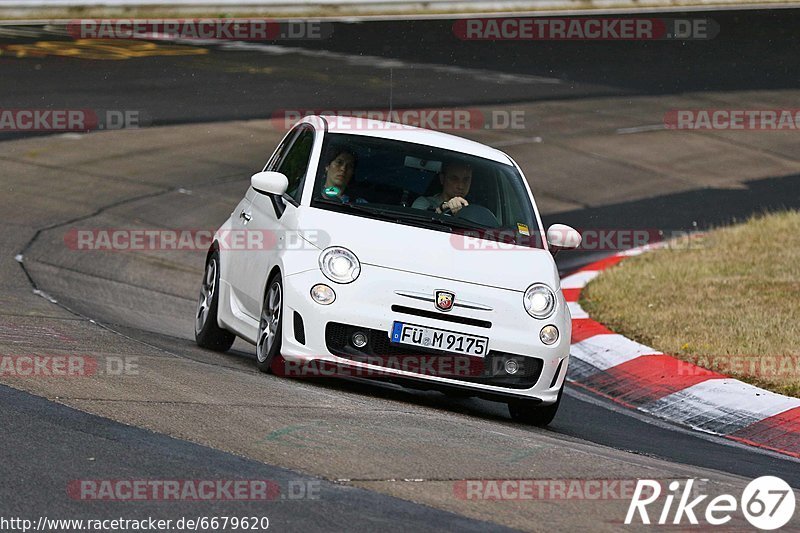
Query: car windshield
x=407, y=183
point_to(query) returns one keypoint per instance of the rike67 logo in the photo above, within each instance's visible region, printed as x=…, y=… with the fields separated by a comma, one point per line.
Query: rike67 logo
x=767, y=503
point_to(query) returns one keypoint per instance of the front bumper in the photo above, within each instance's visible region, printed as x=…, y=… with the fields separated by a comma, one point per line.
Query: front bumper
x=372, y=304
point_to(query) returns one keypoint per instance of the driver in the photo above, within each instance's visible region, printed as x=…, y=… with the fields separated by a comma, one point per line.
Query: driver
x=456, y=179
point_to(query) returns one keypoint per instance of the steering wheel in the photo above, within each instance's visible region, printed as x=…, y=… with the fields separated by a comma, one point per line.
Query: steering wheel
x=477, y=214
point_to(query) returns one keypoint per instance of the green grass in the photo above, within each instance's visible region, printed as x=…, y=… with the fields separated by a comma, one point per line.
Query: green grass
x=729, y=302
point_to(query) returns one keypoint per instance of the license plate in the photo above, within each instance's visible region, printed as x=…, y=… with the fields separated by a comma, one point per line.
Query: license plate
x=438, y=339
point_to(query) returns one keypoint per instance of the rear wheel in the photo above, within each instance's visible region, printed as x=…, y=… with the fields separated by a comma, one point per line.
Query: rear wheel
x=529, y=412
x=207, y=332
x=270, y=325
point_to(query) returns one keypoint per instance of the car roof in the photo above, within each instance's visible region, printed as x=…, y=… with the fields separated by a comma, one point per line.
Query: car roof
x=403, y=132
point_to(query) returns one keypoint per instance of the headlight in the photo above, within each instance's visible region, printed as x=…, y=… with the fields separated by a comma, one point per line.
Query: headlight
x=339, y=264
x=539, y=301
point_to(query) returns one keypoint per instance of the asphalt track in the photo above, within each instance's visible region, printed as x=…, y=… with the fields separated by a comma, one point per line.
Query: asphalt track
x=383, y=447
x=423, y=62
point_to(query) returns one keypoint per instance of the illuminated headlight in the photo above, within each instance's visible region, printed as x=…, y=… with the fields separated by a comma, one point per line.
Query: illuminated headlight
x=539, y=301
x=549, y=334
x=339, y=264
x=322, y=294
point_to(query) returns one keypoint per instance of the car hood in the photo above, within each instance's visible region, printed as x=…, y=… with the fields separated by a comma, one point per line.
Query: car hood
x=430, y=252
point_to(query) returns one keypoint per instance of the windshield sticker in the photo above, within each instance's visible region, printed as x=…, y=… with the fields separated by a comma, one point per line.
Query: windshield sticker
x=523, y=229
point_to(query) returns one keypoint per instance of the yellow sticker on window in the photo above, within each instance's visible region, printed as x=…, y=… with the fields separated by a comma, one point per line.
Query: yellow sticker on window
x=523, y=229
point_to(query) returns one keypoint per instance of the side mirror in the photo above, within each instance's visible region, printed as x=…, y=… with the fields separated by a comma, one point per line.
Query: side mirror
x=270, y=182
x=562, y=237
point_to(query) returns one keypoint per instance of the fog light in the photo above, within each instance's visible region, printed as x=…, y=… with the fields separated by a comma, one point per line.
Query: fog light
x=359, y=339
x=549, y=334
x=511, y=366
x=322, y=294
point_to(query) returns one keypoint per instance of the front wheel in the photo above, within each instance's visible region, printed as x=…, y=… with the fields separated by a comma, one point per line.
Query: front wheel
x=270, y=326
x=207, y=332
x=529, y=412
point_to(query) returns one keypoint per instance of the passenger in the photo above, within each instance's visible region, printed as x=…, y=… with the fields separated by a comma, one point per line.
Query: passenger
x=456, y=179
x=339, y=170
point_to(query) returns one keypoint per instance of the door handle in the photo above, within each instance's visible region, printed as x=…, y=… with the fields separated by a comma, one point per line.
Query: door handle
x=246, y=216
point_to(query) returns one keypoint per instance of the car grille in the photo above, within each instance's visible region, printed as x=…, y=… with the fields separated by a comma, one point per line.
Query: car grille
x=379, y=351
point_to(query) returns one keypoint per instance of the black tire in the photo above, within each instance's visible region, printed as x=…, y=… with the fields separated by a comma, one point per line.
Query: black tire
x=207, y=332
x=529, y=412
x=268, y=345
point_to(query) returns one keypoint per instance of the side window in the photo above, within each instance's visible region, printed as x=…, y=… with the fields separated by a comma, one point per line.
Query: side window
x=272, y=164
x=295, y=163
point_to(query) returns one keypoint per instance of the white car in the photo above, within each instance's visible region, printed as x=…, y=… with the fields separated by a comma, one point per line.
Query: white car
x=394, y=253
